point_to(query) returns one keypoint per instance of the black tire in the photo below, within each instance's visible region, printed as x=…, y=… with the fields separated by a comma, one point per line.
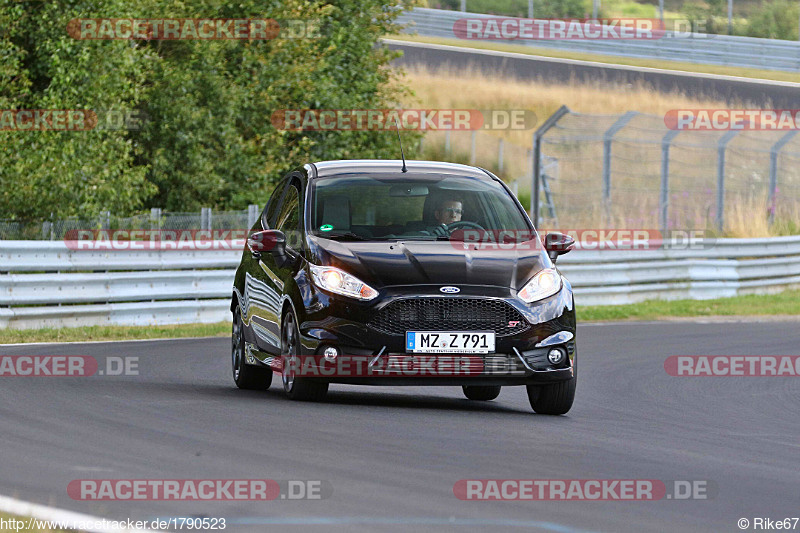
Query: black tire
x=481, y=392
x=245, y=376
x=296, y=388
x=553, y=399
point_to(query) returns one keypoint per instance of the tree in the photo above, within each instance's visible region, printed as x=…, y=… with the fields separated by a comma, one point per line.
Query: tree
x=65, y=172
x=206, y=139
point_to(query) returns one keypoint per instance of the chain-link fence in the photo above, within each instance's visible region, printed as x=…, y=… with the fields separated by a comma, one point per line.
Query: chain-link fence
x=205, y=219
x=631, y=171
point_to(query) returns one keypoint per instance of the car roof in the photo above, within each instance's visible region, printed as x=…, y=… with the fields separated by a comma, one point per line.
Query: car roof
x=394, y=166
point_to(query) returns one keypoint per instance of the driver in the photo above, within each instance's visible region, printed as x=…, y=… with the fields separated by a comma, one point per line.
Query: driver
x=448, y=211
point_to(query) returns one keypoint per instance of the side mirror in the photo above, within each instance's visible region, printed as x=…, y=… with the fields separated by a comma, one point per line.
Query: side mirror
x=271, y=240
x=557, y=244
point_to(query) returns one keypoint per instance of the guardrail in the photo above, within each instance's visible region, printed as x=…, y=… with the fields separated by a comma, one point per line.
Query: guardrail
x=47, y=284
x=718, y=269
x=712, y=49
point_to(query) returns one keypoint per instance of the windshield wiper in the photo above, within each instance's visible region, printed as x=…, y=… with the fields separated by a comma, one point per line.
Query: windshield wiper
x=348, y=235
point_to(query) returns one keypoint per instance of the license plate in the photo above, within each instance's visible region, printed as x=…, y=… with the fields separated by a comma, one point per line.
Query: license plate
x=450, y=341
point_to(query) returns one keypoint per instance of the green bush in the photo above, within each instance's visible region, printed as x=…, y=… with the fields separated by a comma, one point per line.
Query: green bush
x=776, y=19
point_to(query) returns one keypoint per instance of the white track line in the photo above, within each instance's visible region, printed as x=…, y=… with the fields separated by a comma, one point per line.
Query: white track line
x=533, y=57
x=26, y=510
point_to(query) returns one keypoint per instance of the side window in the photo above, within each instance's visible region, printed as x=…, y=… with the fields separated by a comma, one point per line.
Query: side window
x=288, y=220
x=268, y=216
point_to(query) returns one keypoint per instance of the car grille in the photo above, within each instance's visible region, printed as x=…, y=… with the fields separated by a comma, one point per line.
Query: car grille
x=449, y=314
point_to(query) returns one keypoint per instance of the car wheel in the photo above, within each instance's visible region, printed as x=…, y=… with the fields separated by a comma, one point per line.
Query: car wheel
x=297, y=388
x=553, y=399
x=245, y=376
x=481, y=392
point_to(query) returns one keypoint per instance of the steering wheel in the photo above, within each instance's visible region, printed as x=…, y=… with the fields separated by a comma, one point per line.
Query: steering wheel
x=445, y=230
x=465, y=223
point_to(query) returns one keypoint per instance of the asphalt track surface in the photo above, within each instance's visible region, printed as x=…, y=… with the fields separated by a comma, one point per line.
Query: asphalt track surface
x=393, y=454
x=759, y=93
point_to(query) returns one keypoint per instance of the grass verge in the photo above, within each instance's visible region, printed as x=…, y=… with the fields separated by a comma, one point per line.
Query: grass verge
x=785, y=304
x=742, y=72
x=114, y=333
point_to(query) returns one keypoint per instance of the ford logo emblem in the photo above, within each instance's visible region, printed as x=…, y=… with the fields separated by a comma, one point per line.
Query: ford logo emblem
x=450, y=290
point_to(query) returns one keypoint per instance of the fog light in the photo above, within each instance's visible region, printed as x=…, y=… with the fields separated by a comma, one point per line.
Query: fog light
x=555, y=356
x=330, y=353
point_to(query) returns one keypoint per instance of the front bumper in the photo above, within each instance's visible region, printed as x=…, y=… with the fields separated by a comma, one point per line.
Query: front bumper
x=517, y=360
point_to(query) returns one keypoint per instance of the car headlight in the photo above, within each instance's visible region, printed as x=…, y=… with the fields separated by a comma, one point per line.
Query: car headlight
x=544, y=284
x=338, y=281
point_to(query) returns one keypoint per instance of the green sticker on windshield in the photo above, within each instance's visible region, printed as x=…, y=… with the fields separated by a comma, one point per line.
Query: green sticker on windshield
x=325, y=227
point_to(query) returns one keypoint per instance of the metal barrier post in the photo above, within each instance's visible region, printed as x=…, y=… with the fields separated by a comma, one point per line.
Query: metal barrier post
x=252, y=215
x=721, y=145
x=205, y=218
x=537, y=159
x=663, y=197
x=472, y=147
x=155, y=217
x=500, y=157
x=774, y=151
x=608, y=137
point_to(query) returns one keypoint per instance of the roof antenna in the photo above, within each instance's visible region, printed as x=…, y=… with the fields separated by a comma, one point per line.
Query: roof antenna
x=397, y=126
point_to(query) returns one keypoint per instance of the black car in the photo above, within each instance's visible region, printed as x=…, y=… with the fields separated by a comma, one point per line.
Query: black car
x=374, y=272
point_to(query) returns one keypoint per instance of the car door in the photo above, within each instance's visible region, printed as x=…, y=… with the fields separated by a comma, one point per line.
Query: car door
x=262, y=288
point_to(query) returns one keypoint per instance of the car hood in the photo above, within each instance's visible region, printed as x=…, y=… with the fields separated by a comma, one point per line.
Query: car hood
x=382, y=264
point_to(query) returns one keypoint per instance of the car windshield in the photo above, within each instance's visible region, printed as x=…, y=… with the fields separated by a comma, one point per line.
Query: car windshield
x=429, y=207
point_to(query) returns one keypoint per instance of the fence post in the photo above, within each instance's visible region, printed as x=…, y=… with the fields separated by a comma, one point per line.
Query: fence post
x=537, y=159
x=472, y=147
x=205, y=218
x=721, y=146
x=774, y=151
x=447, y=142
x=608, y=137
x=500, y=156
x=252, y=215
x=663, y=197
x=530, y=9
x=155, y=217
